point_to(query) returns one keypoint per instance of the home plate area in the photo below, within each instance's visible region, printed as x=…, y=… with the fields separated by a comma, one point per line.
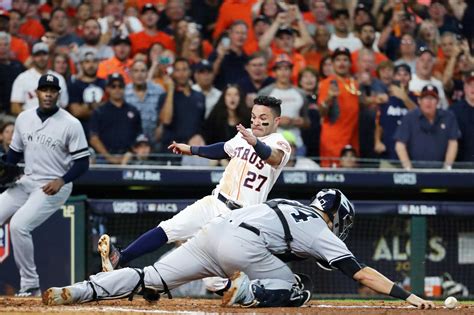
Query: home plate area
x=12, y=305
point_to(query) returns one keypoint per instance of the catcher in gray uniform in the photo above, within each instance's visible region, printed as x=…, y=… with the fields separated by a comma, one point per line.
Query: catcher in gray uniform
x=249, y=246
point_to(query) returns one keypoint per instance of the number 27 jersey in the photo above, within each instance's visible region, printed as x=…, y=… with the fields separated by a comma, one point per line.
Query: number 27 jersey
x=247, y=178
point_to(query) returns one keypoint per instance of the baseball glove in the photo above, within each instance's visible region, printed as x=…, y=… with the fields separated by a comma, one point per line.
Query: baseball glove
x=9, y=173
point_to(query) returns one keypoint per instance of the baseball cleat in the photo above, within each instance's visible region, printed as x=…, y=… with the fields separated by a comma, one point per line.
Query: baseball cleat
x=238, y=291
x=109, y=255
x=31, y=292
x=300, y=299
x=57, y=296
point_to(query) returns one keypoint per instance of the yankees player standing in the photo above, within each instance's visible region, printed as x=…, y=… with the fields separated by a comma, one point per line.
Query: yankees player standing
x=257, y=157
x=246, y=245
x=55, y=150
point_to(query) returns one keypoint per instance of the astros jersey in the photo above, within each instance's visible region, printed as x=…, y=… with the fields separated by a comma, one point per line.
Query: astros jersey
x=50, y=146
x=248, y=179
x=311, y=235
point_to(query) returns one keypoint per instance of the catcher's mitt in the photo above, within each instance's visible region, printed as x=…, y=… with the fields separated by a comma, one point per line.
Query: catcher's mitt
x=9, y=173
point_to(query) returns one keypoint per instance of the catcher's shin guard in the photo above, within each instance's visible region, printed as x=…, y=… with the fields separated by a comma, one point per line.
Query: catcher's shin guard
x=294, y=297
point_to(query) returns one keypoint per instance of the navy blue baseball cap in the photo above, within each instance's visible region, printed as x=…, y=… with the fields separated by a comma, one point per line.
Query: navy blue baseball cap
x=49, y=80
x=429, y=90
x=203, y=65
x=115, y=77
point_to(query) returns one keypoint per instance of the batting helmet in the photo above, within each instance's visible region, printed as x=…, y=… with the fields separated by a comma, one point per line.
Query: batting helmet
x=339, y=209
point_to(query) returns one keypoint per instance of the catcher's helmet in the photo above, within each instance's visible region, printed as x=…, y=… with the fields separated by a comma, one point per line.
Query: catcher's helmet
x=339, y=209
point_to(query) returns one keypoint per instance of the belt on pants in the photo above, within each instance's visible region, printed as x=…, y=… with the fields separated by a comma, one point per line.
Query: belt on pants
x=232, y=205
x=250, y=228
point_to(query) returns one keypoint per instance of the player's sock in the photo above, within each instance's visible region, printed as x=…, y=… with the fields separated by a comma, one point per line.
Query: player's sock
x=146, y=243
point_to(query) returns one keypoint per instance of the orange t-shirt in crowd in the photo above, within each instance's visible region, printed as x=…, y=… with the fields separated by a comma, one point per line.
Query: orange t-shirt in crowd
x=296, y=58
x=142, y=41
x=19, y=49
x=32, y=28
x=232, y=10
x=379, y=57
x=113, y=65
x=313, y=59
x=334, y=136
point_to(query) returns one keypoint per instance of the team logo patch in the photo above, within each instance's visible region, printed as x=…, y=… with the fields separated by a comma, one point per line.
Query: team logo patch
x=130, y=115
x=284, y=145
x=4, y=242
x=50, y=78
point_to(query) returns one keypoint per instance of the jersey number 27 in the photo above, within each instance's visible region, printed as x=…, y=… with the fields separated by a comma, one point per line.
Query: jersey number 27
x=254, y=181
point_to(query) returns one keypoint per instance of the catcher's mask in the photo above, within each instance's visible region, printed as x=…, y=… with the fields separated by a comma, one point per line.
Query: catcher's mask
x=339, y=209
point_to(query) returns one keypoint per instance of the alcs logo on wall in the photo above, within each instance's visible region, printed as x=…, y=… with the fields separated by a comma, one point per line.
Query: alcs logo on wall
x=4, y=242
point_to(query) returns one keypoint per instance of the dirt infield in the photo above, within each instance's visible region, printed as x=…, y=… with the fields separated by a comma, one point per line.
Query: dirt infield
x=11, y=305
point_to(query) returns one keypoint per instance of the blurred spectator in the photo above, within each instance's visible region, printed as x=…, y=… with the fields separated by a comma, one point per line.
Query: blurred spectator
x=260, y=25
x=18, y=48
x=84, y=12
x=464, y=112
x=308, y=82
x=120, y=62
x=390, y=38
x=30, y=28
x=46, y=8
x=229, y=111
x=144, y=96
x=115, y=125
x=428, y=36
x=62, y=65
x=256, y=79
x=427, y=134
x=318, y=16
x=457, y=58
x=424, y=75
x=91, y=36
x=390, y=114
x=367, y=38
x=59, y=25
x=24, y=87
x=139, y=153
x=342, y=37
x=192, y=47
x=86, y=91
x=9, y=70
x=230, y=12
x=348, y=157
x=205, y=13
x=384, y=72
x=326, y=68
x=339, y=107
x=115, y=23
x=438, y=13
x=315, y=54
x=161, y=64
x=295, y=161
x=294, y=107
x=182, y=108
x=268, y=8
x=407, y=52
x=204, y=78
x=141, y=41
x=6, y=135
x=174, y=12
x=284, y=43
x=229, y=58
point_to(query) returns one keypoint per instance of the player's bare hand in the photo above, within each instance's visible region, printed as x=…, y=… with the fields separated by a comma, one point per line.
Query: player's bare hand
x=180, y=148
x=247, y=135
x=419, y=302
x=53, y=186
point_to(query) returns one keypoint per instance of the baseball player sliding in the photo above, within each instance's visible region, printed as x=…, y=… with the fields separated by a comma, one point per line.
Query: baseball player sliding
x=257, y=157
x=246, y=245
x=55, y=150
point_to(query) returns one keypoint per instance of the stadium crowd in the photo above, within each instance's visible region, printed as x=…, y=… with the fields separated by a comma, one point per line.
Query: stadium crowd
x=384, y=80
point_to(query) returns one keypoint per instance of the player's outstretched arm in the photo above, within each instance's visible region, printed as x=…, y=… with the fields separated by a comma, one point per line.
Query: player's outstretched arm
x=376, y=281
x=270, y=155
x=180, y=148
